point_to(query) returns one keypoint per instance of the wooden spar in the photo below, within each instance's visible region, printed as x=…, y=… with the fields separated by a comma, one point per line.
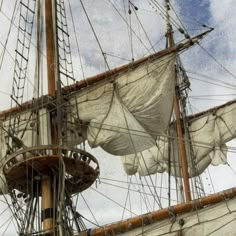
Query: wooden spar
x=115, y=72
x=181, y=144
x=182, y=151
x=50, y=48
x=152, y=217
x=111, y=73
x=192, y=117
x=46, y=183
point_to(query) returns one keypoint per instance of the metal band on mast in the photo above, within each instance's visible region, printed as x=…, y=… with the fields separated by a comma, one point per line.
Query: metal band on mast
x=181, y=144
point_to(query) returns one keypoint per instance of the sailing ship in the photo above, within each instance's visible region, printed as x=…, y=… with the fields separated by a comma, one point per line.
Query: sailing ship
x=52, y=145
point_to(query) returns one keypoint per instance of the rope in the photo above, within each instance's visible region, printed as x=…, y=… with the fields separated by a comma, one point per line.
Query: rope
x=8, y=34
x=145, y=32
x=127, y=196
x=97, y=224
x=95, y=35
x=214, y=59
x=63, y=43
x=143, y=134
x=113, y=5
x=112, y=201
x=77, y=40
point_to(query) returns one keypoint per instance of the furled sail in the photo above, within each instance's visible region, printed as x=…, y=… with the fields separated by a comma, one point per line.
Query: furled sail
x=208, y=134
x=125, y=115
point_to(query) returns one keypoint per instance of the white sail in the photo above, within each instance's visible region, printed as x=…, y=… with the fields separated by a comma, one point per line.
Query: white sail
x=125, y=115
x=208, y=134
x=25, y=136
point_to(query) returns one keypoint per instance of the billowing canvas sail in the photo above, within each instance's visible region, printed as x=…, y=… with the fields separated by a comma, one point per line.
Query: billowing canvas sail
x=124, y=112
x=125, y=116
x=209, y=133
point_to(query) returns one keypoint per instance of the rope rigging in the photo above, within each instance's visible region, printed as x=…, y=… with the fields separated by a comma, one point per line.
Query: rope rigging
x=8, y=34
x=67, y=74
x=136, y=132
x=22, y=50
x=77, y=40
x=64, y=50
x=129, y=26
x=95, y=35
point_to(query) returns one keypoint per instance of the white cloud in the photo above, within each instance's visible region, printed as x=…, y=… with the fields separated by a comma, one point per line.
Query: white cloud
x=223, y=17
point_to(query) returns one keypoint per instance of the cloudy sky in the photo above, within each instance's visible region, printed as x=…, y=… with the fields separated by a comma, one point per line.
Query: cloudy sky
x=215, y=57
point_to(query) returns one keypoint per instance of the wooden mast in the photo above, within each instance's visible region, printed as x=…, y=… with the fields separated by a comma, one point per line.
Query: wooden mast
x=50, y=44
x=181, y=144
x=47, y=196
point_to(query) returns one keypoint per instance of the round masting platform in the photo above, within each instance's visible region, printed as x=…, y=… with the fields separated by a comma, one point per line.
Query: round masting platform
x=25, y=169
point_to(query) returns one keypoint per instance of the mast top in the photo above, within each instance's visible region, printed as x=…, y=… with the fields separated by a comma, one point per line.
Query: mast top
x=169, y=26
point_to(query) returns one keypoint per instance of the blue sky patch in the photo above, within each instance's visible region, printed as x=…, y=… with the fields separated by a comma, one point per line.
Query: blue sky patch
x=195, y=9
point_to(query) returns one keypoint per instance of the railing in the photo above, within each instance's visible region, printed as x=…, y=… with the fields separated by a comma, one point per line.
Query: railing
x=82, y=168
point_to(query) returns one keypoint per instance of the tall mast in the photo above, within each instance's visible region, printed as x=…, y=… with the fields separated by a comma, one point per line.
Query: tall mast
x=50, y=45
x=180, y=136
x=47, y=196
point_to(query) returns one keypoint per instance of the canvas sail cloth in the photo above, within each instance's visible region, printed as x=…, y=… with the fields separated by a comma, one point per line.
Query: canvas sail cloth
x=123, y=114
x=25, y=135
x=126, y=114
x=209, y=133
